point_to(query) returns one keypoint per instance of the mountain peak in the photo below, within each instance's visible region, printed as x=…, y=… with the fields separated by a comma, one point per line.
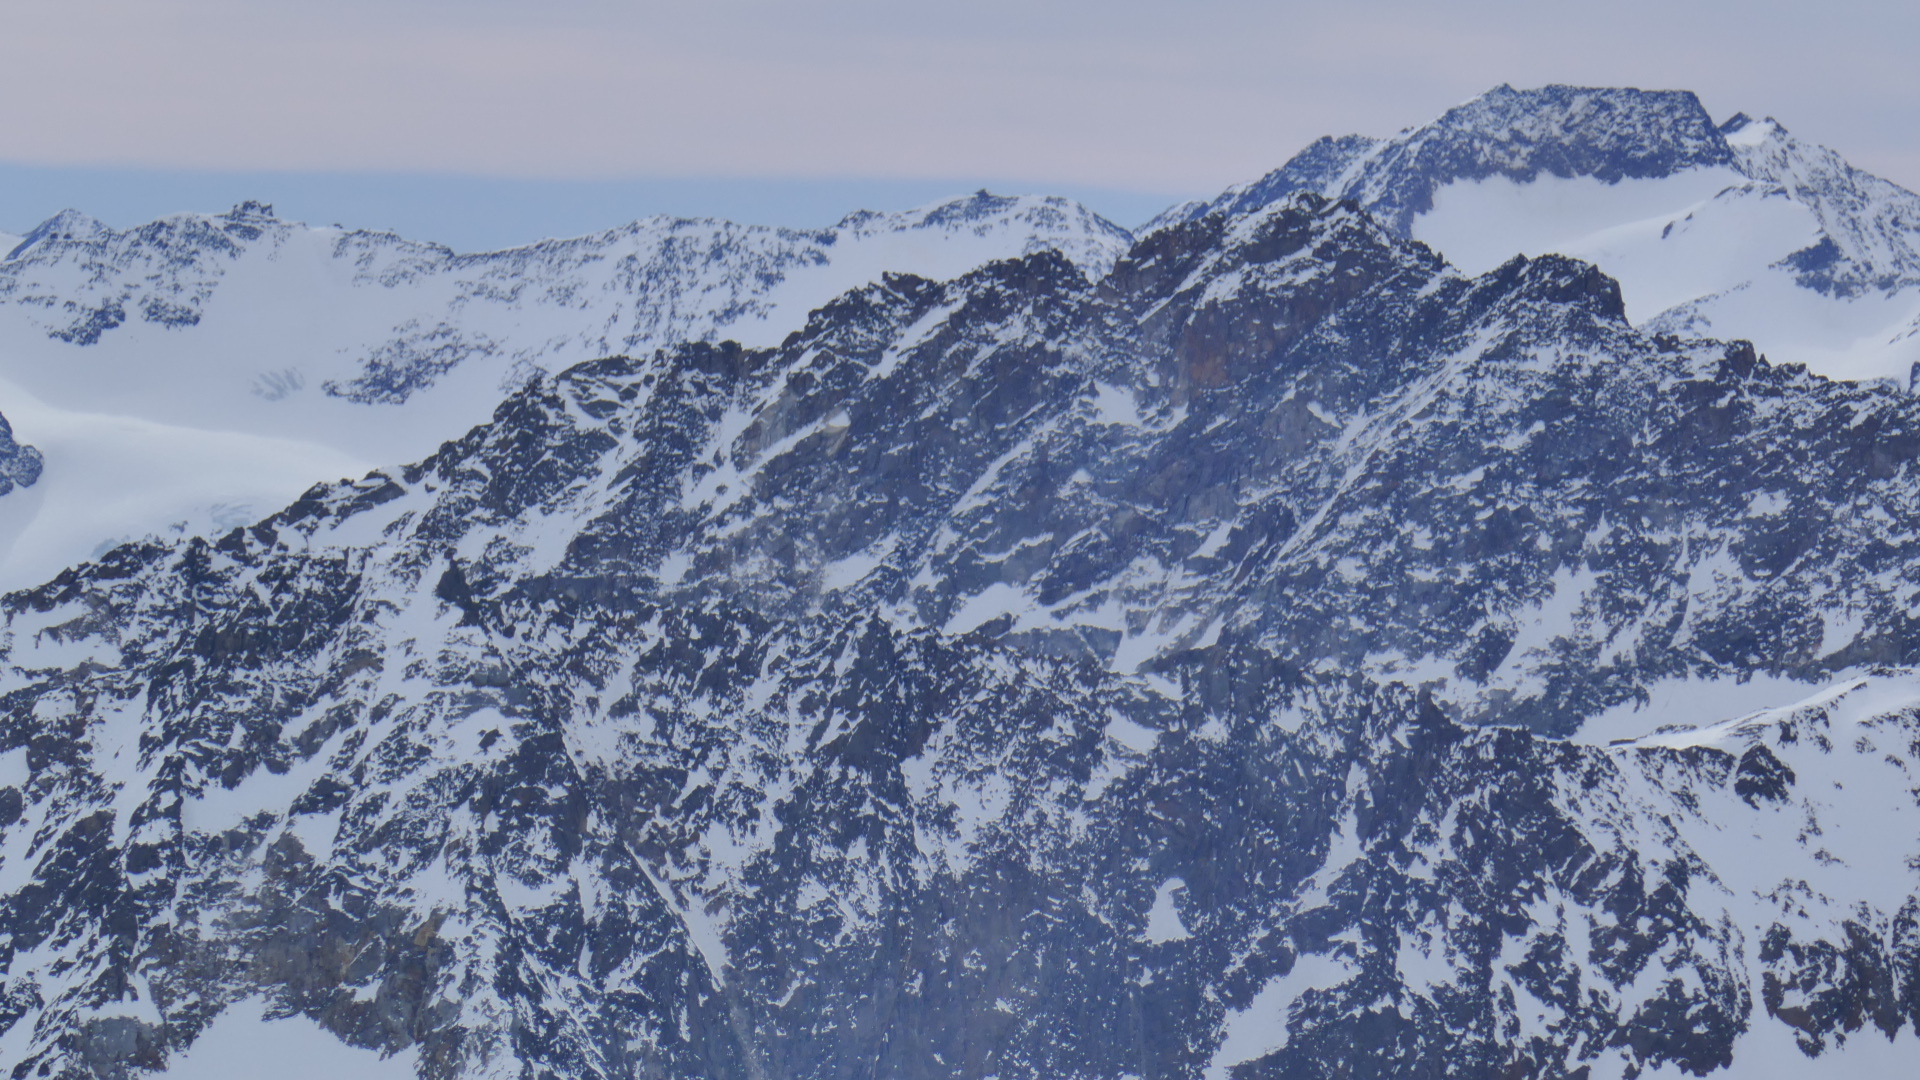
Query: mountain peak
x=251, y=208
x=67, y=225
x=1607, y=133
x=982, y=208
x=1741, y=130
x=1645, y=184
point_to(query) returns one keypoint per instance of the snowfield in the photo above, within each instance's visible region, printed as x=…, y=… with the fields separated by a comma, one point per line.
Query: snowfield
x=196, y=372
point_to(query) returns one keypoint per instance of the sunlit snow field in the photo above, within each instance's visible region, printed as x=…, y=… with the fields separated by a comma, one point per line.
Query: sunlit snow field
x=241, y=1044
x=168, y=431
x=1709, y=238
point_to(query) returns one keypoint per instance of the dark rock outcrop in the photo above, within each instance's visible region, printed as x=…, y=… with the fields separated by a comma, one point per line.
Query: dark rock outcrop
x=19, y=465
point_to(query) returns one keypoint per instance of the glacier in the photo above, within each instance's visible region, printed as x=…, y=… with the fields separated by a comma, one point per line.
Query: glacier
x=300, y=354
x=1735, y=230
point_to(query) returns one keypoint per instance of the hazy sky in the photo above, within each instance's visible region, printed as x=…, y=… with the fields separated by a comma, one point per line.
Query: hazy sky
x=1129, y=102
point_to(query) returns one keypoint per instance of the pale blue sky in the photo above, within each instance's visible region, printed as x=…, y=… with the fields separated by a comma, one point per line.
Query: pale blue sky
x=565, y=115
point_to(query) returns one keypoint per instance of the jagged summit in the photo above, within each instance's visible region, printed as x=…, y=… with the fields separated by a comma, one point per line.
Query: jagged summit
x=66, y=227
x=1735, y=230
x=194, y=249
x=1609, y=134
x=291, y=346
x=1870, y=227
x=978, y=206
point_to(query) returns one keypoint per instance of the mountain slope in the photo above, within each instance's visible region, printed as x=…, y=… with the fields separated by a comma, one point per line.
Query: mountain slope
x=1733, y=231
x=354, y=349
x=996, y=678
x=308, y=354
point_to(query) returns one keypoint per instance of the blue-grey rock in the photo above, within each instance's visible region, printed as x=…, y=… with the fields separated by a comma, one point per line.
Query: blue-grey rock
x=19, y=465
x=1016, y=676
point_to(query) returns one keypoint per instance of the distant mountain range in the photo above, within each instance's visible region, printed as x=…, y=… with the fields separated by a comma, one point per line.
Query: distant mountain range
x=1265, y=646
x=1735, y=231
x=199, y=371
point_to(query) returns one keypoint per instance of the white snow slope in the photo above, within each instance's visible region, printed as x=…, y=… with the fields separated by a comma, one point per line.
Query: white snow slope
x=199, y=371
x=1705, y=252
x=1731, y=231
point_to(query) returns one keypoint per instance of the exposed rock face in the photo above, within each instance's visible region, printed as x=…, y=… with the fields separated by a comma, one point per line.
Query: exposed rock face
x=405, y=313
x=1023, y=676
x=1736, y=230
x=19, y=465
x=1608, y=133
x=1871, y=226
x=263, y=355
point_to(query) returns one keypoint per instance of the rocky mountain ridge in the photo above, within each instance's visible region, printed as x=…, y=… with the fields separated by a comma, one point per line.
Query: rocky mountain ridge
x=659, y=280
x=1518, y=135
x=243, y=357
x=146, y=358
x=1020, y=675
x=1731, y=230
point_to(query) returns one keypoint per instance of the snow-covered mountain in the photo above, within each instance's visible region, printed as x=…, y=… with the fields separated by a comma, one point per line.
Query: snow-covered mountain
x=1736, y=230
x=1019, y=676
x=198, y=371
x=194, y=373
